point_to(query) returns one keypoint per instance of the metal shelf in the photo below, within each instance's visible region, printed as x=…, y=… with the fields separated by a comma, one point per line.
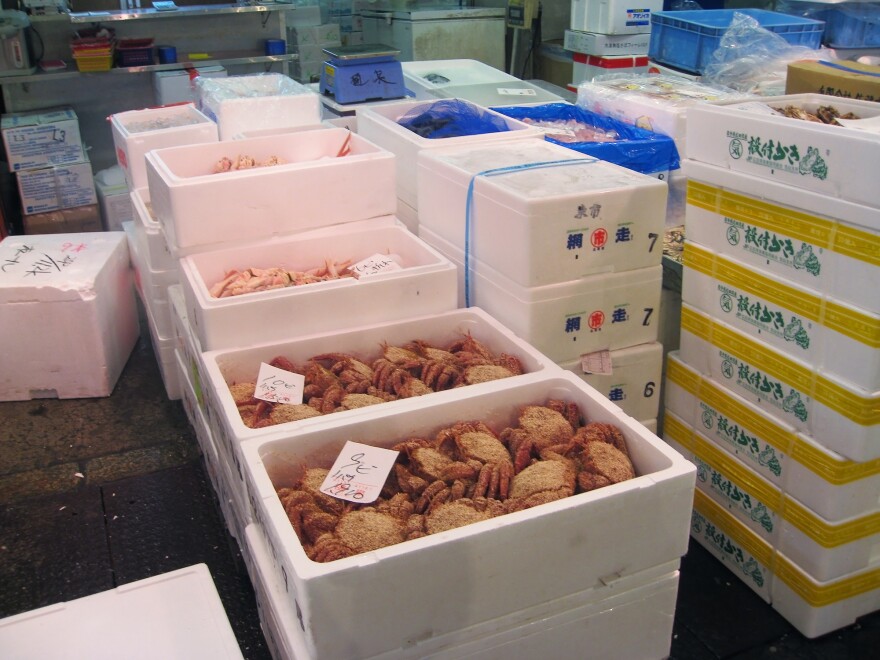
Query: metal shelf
x=180, y=12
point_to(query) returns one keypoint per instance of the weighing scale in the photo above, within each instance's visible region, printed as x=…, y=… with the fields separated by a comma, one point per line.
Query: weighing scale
x=365, y=72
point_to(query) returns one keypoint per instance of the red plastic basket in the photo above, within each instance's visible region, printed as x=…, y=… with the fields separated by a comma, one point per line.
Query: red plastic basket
x=134, y=52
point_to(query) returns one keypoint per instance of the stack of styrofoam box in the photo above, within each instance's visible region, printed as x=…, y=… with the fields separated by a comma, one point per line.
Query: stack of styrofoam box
x=578, y=271
x=564, y=605
x=135, y=133
x=67, y=315
x=379, y=124
x=658, y=103
x=309, y=42
x=55, y=183
x=775, y=391
x=257, y=101
x=609, y=36
x=173, y=615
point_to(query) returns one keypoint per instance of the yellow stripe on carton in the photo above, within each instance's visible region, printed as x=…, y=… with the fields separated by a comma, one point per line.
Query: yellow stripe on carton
x=862, y=410
x=828, y=234
x=751, y=542
x=829, y=535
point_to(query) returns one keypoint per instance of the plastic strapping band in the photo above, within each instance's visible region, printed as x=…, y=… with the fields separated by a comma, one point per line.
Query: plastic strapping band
x=834, y=65
x=469, y=203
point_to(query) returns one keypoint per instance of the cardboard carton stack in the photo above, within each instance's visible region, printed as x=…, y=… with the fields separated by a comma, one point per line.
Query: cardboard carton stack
x=309, y=42
x=347, y=15
x=774, y=393
x=609, y=36
x=52, y=170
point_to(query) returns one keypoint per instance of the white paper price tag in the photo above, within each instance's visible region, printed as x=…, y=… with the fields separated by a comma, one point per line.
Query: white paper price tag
x=377, y=263
x=509, y=91
x=278, y=385
x=359, y=472
x=597, y=363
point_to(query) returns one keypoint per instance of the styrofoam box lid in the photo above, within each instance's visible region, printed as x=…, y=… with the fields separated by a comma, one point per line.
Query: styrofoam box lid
x=227, y=366
x=567, y=174
x=456, y=72
x=500, y=93
x=55, y=267
x=662, y=475
x=174, y=615
x=672, y=92
x=169, y=118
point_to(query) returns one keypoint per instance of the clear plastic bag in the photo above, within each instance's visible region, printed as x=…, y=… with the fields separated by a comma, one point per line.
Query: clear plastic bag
x=752, y=59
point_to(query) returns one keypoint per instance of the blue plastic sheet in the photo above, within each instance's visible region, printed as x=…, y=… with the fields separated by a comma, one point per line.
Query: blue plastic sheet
x=636, y=148
x=451, y=118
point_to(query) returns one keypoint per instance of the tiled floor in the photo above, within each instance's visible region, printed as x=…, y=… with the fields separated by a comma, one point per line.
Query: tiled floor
x=96, y=493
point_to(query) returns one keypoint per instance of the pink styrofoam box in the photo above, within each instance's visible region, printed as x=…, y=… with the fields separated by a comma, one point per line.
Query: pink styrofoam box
x=567, y=319
x=817, y=241
x=380, y=125
x=836, y=414
x=175, y=614
x=598, y=619
x=812, y=606
x=824, y=549
x=151, y=286
x=831, y=485
x=229, y=366
x=135, y=132
x=408, y=216
x=472, y=564
x=563, y=215
x=151, y=232
x=263, y=132
x=630, y=377
x=752, y=138
x=187, y=344
x=257, y=101
x=828, y=334
x=164, y=352
x=314, y=187
x=425, y=285
x=68, y=315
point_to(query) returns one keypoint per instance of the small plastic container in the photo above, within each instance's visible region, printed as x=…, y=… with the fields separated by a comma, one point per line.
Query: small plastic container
x=687, y=39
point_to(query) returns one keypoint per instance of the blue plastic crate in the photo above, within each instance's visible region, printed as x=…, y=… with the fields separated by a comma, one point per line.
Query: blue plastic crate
x=686, y=39
x=852, y=25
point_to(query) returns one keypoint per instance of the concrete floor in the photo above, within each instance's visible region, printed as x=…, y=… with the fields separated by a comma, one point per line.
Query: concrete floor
x=95, y=493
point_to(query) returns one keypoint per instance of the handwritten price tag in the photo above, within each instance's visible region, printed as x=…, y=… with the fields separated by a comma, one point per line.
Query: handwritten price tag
x=378, y=263
x=359, y=472
x=598, y=363
x=278, y=385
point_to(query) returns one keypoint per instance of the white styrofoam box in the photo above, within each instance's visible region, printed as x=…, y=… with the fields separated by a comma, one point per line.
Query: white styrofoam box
x=827, y=334
x=472, y=564
x=188, y=347
x=813, y=607
x=425, y=284
x=655, y=102
x=164, y=349
x=586, y=67
x=326, y=34
x=598, y=619
x=264, y=100
x=512, y=92
x=408, y=216
x=657, y=68
x=56, y=187
x=826, y=482
x=39, y=138
x=629, y=377
x=823, y=549
x=427, y=79
x=379, y=124
x=837, y=415
x=751, y=138
x=563, y=215
x=157, y=252
x=593, y=43
x=151, y=284
x=650, y=424
x=138, y=131
x=114, y=198
x=567, y=319
x=199, y=208
x=68, y=315
x=613, y=16
x=177, y=86
x=173, y=615
x=226, y=367
x=814, y=240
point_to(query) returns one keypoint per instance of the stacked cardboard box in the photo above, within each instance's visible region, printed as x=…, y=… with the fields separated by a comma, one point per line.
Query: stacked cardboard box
x=309, y=42
x=774, y=393
x=54, y=176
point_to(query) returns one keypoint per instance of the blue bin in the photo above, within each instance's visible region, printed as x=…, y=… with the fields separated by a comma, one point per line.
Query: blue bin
x=686, y=39
x=636, y=149
x=852, y=25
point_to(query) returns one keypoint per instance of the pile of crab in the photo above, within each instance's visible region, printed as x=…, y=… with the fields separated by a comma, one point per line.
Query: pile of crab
x=338, y=381
x=251, y=280
x=465, y=474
